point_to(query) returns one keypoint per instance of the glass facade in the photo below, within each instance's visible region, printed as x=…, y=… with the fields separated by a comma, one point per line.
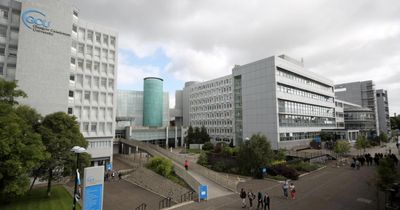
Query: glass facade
x=303, y=93
x=290, y=75
x=297, y=136
x=153, y=102
x=305, y=109
x=289, y=120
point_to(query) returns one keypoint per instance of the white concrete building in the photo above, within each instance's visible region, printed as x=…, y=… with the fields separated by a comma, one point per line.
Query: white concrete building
x=63, y=64
x=274, y=96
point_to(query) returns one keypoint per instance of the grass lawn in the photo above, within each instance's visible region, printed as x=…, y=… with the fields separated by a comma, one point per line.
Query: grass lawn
x=194, y=151
x=60, y=199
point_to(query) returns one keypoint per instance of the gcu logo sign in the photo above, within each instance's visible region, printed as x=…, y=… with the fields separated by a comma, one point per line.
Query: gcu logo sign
x=34, y=18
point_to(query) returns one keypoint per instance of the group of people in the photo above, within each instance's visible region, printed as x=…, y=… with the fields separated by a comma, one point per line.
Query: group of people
x=263, y=199
x=111, y=175
x=367, y=159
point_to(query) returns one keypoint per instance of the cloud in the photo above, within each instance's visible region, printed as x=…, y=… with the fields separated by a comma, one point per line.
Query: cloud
x=349, y=41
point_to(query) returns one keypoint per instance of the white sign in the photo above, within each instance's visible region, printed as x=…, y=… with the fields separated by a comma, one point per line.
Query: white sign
x=93, y=188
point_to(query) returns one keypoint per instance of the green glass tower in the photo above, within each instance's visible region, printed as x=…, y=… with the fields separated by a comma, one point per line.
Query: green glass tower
x=152, y=102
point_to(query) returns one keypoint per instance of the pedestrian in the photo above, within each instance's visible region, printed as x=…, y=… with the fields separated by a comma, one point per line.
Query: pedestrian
x=119, y=176
x=292, y=191
x=260, y=200
x=243, y=197
x=186, y=164
x=266, y=201
x=358, y=164
x=113, y=175
x=285, y=188
x=251, y=197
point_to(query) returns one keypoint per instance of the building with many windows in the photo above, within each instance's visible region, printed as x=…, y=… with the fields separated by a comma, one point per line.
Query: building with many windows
x=383, y=110
x=63, y=64
x=274, y=96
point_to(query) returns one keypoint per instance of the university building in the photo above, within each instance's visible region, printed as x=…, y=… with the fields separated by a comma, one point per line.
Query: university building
x=64, y=64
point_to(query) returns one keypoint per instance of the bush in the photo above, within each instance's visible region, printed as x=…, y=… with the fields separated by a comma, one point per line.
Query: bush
x=160, y=165
x=219, y=146
x=289, y=173
x=203, y=159
x=303, y=166
x=227, y=151
x=208, y=146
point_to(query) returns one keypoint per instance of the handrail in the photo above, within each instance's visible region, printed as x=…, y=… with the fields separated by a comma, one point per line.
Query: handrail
x=164, y=203
x=188, y=196
x=142, y=206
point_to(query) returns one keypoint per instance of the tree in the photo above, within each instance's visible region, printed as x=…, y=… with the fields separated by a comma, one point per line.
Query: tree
x=190, y=136
x=196, y=135
x=208, y=146
x=204, y=135
x=161, y=165
x=254, y=154
x=325, y=136
x=387, y=174
x=21, y=148
x=395, y=122
x=341, y=147
x=60, y=132
x=361, y=143
x=383, y=137
x=8, y=92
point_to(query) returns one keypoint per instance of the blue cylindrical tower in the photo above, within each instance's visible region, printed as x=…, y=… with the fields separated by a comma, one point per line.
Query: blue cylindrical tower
x=152, y=102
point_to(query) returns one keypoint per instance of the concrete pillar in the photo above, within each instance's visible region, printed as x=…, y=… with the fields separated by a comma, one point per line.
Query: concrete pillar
x=129, y=150
x=122, y=148
x=166, y=137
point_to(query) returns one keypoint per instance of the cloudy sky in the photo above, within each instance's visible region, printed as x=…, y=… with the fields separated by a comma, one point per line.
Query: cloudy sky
x=181, y=40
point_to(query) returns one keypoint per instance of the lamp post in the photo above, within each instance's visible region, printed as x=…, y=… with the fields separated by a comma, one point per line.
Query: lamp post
x=77, y=150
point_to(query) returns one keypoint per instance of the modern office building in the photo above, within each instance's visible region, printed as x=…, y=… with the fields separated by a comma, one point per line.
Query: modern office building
x=359, y=118
x=63, y=64
x=274, y=96
x=339, y=114
x=362, y=94
x=383, y=110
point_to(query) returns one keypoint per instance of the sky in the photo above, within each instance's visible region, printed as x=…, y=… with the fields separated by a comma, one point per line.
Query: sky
x=183, y=40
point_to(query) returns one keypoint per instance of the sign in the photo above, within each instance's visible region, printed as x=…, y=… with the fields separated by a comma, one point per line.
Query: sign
x=203, y=192
x=317, y=139
x=93, y=188
x=109, y=166
x=37, y=21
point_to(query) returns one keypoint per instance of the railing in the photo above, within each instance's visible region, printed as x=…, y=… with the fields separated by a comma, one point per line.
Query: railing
x=142, y=206
x=165, y=203
x=189, y=196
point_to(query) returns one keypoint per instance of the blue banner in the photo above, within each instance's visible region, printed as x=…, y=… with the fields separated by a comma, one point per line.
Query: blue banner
x=109, y=166
x=203, y=192
x=93, y=197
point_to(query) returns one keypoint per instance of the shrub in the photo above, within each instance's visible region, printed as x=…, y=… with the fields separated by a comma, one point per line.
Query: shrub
x=283, y=170
x=227, y=151
x=203, y=159
x=208, y=146
x=160, y=165
x=303, y=166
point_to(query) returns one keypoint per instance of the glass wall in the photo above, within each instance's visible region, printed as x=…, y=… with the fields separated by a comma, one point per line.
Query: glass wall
x=304, y=109
x=297, y=136
x=289, y=120
x=290, y=75
x=303, y=93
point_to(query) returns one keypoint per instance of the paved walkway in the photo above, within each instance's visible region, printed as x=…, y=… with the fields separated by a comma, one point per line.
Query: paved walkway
x=328, y=189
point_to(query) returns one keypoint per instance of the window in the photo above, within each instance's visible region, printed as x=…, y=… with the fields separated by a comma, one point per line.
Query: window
x=93, y=127
x=89, y=50
x=73, y=60
x=94, y=113
x=4, y=13
x=81, y=33
x=103, y=98
x=70, y=110
x=109, y=113
x=98, y=35
x=75, y=13
x=102, y=113
x=110, y=98
x=112, y=55
x=80, y=64
x=72, y=78
x=86, y=113
x=104, y=54
x=102, y=127
x=95, y=97
x=111, y=70
x=88, y=81
x=105, y=39
x=79, y=80
x=71, y=94
x=85, y=127
x=96, y=82
x=109, y=127
x=112, y=41
x=81, y=48
x=77, y=111
x=88, y=65
x=96, y=66
x=78, y=96
x=74, y=29
x=90, y=35
x=97, y=52
x=103, y=83
x=87, y=96
x=104, y=68
x=111, y=84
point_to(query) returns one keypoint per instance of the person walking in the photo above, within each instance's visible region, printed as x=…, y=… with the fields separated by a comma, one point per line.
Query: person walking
x=292, y=189
x=285, y=188
x=119, y=176
x=260, y=200
x=243, y=197
x=251, y=197
x=266, y=201
x=186, y=164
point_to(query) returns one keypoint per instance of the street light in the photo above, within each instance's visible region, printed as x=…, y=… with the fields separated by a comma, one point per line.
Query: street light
x=77, y=150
